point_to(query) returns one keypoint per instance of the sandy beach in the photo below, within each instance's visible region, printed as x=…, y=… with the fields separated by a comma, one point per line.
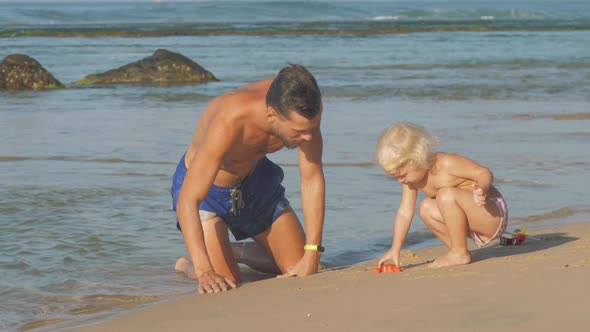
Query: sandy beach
x=539, y=286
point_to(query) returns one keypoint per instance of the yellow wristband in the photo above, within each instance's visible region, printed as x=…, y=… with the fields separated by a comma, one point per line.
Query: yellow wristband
x=314, y=247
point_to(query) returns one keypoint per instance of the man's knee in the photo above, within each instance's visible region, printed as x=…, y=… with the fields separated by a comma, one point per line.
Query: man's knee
x=284, y=240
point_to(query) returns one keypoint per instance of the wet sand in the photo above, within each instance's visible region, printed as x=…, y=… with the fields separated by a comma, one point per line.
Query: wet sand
x=540, y=286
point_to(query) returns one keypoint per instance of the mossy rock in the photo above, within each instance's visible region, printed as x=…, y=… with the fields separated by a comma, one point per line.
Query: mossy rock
x=161, y=68
x=21, y=72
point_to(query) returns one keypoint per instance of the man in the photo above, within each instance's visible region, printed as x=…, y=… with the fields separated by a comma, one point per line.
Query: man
x=224, y=181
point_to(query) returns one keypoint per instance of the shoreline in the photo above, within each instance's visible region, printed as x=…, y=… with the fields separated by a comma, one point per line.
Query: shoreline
x=533, y=286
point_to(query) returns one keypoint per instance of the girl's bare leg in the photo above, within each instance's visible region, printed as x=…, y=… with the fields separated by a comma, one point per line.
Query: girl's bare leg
x=447, y=200
x=461, y=215
x=431, y=216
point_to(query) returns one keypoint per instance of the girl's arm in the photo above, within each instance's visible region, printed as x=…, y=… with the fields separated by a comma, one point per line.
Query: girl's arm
x=466, y=168
x=401, y=225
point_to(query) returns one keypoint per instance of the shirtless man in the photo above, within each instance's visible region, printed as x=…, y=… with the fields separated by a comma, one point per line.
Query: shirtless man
x=225, y=181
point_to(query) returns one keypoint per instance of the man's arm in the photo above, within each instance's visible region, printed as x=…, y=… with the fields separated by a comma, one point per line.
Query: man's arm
x=198, y=180
x=312, y=198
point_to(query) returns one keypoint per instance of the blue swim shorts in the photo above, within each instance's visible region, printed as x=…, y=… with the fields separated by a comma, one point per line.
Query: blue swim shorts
x=249, y=207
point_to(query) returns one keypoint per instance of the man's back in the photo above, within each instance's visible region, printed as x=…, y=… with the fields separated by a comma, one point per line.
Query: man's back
x=239, y=114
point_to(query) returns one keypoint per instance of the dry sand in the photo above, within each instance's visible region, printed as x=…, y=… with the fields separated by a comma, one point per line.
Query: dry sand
x=539, y=286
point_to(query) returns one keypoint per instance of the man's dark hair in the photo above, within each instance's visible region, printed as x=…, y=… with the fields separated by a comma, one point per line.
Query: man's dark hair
x=295, y=89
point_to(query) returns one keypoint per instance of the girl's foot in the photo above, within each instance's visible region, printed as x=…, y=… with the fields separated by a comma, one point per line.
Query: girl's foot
x=452, y=259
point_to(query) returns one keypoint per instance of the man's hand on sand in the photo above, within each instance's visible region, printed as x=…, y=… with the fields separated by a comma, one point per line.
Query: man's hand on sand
x=211, y=282
x=307, y=265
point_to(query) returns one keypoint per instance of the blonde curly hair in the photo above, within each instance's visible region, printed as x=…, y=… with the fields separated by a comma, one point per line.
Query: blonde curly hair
x=403, y=143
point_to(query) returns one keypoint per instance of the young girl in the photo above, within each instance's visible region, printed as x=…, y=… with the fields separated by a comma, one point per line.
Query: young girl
x=460, y=199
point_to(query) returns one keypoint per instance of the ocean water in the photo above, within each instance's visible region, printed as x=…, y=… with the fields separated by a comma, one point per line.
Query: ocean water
x=86, y=227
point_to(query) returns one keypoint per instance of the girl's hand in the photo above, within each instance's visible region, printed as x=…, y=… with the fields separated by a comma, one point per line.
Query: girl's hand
x=479, y=195
x=389, y=255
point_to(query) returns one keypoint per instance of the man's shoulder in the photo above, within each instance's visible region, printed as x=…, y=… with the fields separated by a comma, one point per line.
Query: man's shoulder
x=246, y=94
x=227, y=115
x=242, y=98
x=257, y=86
x=233, y=109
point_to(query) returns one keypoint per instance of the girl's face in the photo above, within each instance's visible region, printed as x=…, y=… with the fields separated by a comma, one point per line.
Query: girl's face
x=409, y=173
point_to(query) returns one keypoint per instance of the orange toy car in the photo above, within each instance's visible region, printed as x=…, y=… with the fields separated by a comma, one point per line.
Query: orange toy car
x=387, y=268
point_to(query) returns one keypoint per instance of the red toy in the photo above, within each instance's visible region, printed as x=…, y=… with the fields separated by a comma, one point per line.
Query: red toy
x=387, y=268
x=517, y=239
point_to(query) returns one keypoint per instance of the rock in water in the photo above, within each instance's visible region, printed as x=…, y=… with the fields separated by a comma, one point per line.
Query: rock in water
x=163, y=67
x=21, y=72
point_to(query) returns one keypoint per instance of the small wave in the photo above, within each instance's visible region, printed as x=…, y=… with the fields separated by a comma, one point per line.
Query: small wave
x=135, y=174
x=84, y=159
x=487, y=18
x=379, y=25
x=14, y=158
x=444, y=92
x=562, y=116
x=513, y=63
x=127, y=161
x=584, y=135
x=103, y=299
x=574, y=163
x=88, y=305
x=525, y=183
x=101, y=303
x=5, y=290
x=556, y=214
x=170, y=96
x=571, y=116
x=336, y=164
x=158, y=162
x=385, y=18
x=40, y=323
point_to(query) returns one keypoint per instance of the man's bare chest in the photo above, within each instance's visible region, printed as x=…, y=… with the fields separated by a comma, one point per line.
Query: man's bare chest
x=246, y=154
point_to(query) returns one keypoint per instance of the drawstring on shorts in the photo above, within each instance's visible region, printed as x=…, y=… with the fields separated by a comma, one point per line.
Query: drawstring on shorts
x=237, y=203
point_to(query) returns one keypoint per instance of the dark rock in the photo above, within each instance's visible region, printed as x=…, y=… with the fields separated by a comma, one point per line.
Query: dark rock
x=21, y=72
x=163, y=67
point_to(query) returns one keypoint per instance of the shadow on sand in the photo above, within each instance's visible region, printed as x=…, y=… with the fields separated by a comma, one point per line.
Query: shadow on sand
x=545, y=241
